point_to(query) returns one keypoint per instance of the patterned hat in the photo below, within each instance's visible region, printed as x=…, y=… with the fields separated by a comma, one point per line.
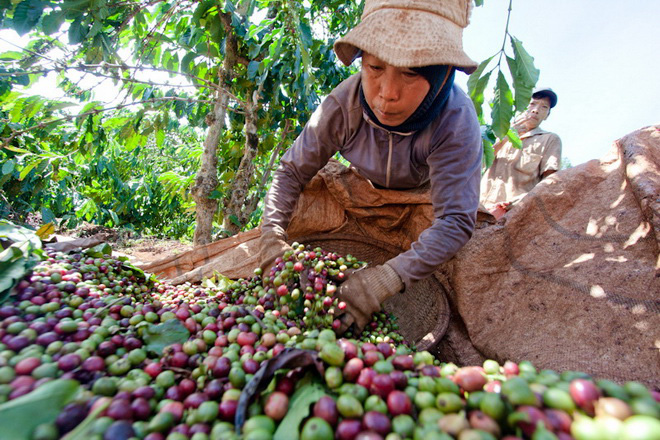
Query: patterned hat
x=410, y=33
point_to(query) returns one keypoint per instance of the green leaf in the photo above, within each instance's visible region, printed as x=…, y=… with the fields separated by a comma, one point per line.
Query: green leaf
x=523, y=92
x=115, y=218
x=477, y=93
x=160, y=137
x=525, y=74
x=16, y=149
x=8, y=167
x=229, y=6
x=87, y=210
x=47, y=215
x=502, y=106
x=159, y=336
x=11, y=272
x=29, y=167
x=299, y=404
x=489, y=153
x=52, y=22
x=477, y=84
x=19, y=417
x=473, y=79
x=26, y=15
x=526, y=71
x=217, y=281
x=99, y=251
x=11, y=56
x=252, y=69
x=18, y=234
x=91, y=106
x=305, y=34
x=77, y=32
x=187, y=60
x=514, y=138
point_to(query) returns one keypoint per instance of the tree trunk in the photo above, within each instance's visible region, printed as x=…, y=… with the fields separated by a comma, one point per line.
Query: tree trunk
x=206, y=180
x=238, y=209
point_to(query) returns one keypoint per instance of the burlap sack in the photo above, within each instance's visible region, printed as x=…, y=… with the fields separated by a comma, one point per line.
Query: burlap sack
x=569, y=279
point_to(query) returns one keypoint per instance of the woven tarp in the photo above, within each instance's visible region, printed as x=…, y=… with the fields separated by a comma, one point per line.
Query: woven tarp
x=569, y=278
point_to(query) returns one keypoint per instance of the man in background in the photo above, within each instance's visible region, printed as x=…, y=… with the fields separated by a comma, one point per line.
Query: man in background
x=514, y=171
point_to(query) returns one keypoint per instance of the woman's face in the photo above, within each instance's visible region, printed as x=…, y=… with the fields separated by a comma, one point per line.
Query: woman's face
x=393, y=93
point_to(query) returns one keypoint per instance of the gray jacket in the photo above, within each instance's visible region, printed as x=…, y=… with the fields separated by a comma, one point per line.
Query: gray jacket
x=447, y=152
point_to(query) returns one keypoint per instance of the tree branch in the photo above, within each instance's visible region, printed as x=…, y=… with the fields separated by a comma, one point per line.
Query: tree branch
x=506, y=32
x=87, y=68
x=7, y=140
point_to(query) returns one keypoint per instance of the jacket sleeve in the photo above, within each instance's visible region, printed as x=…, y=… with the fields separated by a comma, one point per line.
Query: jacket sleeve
x=319, y=140
x=455, y=173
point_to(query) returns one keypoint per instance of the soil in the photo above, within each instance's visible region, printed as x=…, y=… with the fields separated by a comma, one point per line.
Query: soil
x=139, y=249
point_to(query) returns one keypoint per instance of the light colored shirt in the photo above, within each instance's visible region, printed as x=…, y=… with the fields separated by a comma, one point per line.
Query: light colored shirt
x=516, y=171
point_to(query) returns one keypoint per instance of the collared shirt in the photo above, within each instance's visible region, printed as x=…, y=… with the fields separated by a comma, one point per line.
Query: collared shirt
x=516, y=171
x=447, y=153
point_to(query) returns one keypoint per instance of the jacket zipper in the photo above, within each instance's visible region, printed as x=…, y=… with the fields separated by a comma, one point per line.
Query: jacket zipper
x=388, y=172
x=389, y=160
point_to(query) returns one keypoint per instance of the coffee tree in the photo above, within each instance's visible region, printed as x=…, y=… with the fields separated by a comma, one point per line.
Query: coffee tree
x=245, y=74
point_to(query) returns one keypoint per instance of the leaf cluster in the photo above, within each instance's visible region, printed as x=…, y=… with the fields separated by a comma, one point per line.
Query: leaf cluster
x=511, y=93
x=21, y=251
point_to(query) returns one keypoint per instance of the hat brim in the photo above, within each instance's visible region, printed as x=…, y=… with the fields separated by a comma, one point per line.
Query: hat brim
x=406, y=38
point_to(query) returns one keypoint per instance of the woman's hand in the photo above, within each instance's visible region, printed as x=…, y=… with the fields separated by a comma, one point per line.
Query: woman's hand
x=363, y=292
x=271, y=246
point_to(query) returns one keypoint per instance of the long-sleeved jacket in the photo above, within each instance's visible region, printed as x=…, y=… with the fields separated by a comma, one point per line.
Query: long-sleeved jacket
x=447, y=152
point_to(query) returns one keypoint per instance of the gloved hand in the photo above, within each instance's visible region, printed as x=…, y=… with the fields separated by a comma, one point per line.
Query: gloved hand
x=271, y=246
x=363, y=292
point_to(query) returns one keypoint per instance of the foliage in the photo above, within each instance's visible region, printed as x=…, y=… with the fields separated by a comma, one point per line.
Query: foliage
x=20, y=417
x=166, y=60
x=95, y=177
x=509, y=95
x=159, y=336
x=21, y=252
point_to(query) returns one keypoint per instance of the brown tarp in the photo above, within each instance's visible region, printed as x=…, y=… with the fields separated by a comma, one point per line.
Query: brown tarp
x=568, y=279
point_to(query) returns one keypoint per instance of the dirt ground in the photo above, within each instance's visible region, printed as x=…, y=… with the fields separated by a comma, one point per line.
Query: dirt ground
x=139, y=249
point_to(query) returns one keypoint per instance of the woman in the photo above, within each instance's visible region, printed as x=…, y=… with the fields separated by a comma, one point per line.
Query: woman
x=402, y=123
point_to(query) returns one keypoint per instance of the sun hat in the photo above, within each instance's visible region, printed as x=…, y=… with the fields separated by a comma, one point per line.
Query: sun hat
x=546, y=92
x=410, y=33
